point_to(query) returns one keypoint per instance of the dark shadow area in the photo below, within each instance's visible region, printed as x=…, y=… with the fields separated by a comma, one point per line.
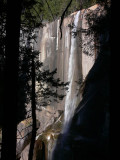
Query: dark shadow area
x=41, y=152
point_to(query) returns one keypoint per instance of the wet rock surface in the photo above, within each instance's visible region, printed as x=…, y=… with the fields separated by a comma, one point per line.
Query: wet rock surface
x=45, y=141
x=24, y=130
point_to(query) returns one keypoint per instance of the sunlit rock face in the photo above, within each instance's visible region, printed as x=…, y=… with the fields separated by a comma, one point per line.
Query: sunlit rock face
x=70, y=56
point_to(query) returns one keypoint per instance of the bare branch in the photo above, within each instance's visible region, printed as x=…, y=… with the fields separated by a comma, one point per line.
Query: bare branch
x=62, y=17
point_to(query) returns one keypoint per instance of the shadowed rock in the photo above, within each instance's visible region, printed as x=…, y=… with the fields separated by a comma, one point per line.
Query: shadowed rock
x=87, y=137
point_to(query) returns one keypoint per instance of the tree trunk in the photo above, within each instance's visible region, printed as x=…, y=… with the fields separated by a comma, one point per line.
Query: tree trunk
x=33, y=113
x=9, y=121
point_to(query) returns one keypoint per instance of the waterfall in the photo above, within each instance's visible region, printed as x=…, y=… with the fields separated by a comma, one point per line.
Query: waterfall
x=57, y=35
x=70, y=100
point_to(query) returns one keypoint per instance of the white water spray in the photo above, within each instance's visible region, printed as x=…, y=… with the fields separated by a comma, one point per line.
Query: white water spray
x=71, y=100
x=57, y=34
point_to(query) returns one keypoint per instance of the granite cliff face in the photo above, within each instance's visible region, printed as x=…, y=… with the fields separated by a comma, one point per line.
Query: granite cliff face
x=73, y=61
x=67, y=55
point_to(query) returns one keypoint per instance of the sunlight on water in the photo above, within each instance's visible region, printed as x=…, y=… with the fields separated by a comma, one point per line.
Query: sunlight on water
x=70, y=101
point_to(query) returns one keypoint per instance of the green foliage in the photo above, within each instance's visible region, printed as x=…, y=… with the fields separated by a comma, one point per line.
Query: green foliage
x=50, y=10
x=31, y=14
x=88, y=3
x=57, y=8
x=49, y=87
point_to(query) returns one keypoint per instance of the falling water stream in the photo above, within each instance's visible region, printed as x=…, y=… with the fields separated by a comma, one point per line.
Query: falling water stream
x=70, y=99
